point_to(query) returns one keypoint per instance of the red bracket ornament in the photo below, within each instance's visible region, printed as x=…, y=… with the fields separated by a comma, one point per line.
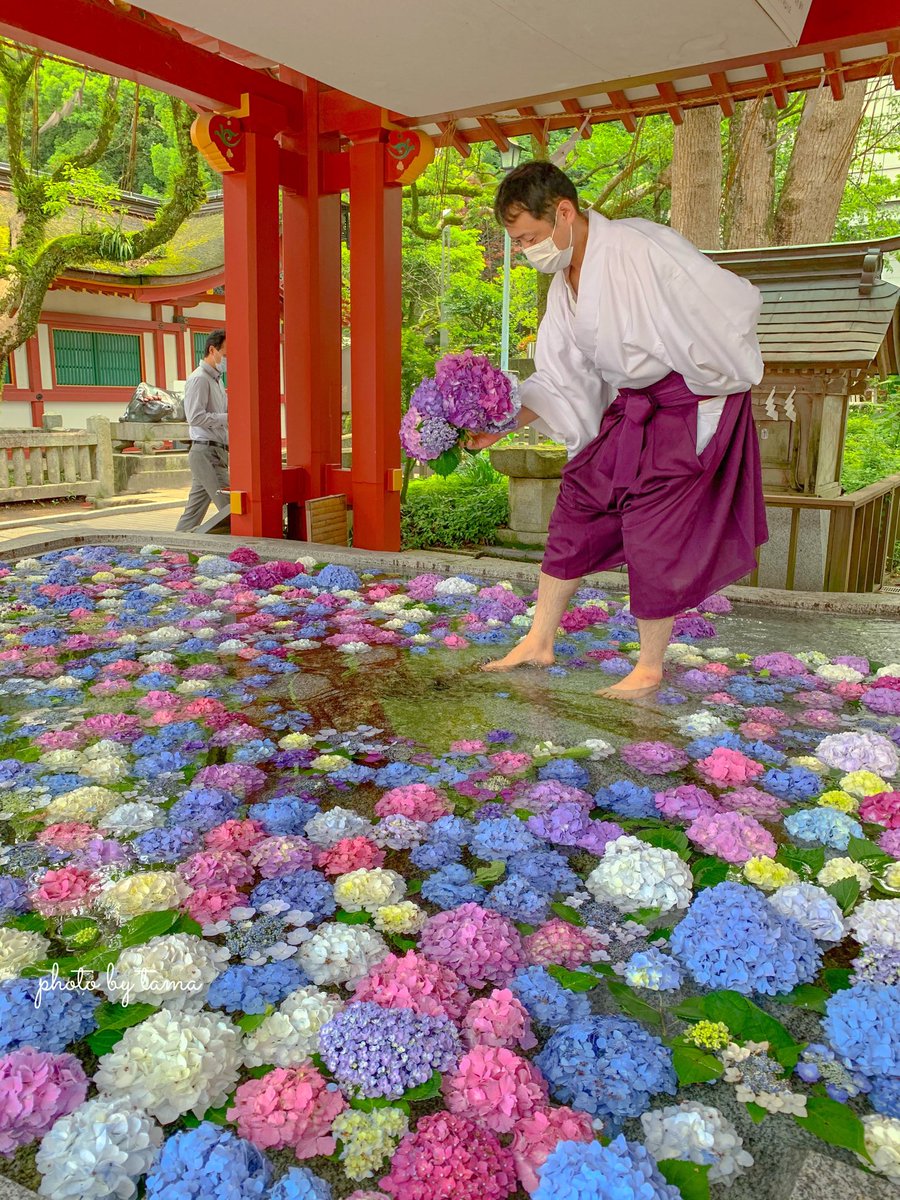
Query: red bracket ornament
x=220, y=139
x=407, y=152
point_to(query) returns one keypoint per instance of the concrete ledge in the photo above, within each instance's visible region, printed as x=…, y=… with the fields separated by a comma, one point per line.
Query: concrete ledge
x=121, y=509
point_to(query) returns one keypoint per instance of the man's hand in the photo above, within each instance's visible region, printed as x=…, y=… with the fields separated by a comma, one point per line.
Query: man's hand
x=481, y=441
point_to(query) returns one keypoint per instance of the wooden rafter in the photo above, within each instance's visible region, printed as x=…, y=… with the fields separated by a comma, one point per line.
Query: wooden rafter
x=534, y=123
x=494, y=132
x=576, y=109
x=670, y=98
x=620, y=103
x=835, y=73
x=450, y=136
x=723, y=92
x=775, y=76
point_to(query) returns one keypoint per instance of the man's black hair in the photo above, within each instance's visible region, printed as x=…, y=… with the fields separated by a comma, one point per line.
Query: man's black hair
x=214, y=341
x=535, y=188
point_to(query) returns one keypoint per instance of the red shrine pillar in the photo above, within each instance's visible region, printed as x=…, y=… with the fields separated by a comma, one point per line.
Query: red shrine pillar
x=311, y=286
x=375, y=316
x=253, y=327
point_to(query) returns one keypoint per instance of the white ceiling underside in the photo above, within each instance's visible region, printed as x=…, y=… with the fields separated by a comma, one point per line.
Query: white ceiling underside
x=422, y=57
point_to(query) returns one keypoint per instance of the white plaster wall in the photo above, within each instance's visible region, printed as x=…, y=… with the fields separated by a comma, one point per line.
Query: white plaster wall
x=149, y=359
x=76, y=412
x=207, y=312
x=87, y=304
x=46, y=358
x=20, y=362
x=170, y=347
x=15, y=414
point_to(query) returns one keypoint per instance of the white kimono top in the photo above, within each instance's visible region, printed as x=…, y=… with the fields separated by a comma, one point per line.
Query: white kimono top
x=648, y=303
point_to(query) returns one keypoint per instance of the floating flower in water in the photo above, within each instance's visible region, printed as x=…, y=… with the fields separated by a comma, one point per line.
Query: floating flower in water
x=697, y=1133
x=290, y=1107
x=633, y=875
x=759, y=1079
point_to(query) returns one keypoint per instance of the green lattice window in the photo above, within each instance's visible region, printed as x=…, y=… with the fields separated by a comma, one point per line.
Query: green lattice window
x=7, y=372
x=86, y=359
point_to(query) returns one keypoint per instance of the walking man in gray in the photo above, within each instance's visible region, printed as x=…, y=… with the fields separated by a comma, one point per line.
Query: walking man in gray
x=206, y=412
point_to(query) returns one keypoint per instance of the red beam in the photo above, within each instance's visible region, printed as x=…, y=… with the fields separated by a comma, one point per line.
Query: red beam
x=723, y=92
x=775, y=76
x=835, y=73
x=894, y=50
x=494, y=132
x=622, y=107
x=535, y=127
x=130, y=44
x=850, y=22
x=672, y=103
x=450, y=136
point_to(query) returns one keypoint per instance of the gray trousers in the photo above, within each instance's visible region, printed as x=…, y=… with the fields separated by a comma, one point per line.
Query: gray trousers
x=209, y=474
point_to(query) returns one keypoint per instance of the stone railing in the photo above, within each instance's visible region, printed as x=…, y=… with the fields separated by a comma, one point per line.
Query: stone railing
x=45, y=464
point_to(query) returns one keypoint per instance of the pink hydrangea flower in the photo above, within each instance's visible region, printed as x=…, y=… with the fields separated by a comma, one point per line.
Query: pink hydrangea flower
x=890, y=842
x=216, y=868
x=507, y=762
x=207, y=905
x=481, y=946
x=881, y=809
x=753, y=802
x=849, y=691
x=536, y=1137
x=455, y=642
x=546, y=794
x=561, y=943
x=418, y=801
x=290, y=1107
x=685, y=803
x=654, y=758
x=236, y=836
x=36, y=1089
x=757, y=731
x=67, y=835
x=732, y=836
x=779, y=663
x=467, y=746
x=729, y=768
x=498, y=1020
x=65, y=890
x=349, y=854
x=769, y=715
x=246, y=557
x=281, y=854
x=495, y=1087
x=413, y=981
x=451, y=1157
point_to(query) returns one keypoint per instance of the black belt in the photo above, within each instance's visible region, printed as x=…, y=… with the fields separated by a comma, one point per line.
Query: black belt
x=221, y=445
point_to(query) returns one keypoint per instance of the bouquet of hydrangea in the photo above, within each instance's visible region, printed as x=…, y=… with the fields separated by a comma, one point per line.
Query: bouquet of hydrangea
x=467, y=394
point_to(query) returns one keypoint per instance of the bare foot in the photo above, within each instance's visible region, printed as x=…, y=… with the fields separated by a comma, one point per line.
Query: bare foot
x=521, y=655
x=638, y=683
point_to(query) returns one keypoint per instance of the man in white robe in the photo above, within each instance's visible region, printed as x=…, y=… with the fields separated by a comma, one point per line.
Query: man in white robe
x=644, y=363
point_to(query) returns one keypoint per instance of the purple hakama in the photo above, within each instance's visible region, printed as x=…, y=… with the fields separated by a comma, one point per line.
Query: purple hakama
x=684, y=524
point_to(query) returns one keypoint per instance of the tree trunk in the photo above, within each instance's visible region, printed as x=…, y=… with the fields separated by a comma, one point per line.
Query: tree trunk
x=697, y=177
x=750, y=183
x=820, y=162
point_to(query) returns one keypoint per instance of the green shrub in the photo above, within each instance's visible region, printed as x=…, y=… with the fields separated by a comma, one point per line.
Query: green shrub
x=872, y=446
x=454, y=512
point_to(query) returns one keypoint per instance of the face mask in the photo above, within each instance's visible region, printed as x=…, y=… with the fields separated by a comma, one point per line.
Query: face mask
x=223, y=363
x=546, y=256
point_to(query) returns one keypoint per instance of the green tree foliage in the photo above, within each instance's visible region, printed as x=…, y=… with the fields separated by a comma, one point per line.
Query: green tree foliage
x=872, y=446
x=72, y=140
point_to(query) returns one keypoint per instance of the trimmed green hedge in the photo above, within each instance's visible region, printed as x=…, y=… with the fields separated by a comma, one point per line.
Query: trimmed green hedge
x=452, y=513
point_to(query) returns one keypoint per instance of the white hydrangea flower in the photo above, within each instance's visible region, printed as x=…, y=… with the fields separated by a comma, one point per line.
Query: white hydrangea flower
x=700, y=724
x=20, y=948
x=106, y=770
x=813, y=658
x=98, y=1152
x=152, y=548
x=135, y=817
x=368, y=889
x=81, y=804
x=454, y=586
x=190, y=687
x=144, y=891
x=355, y=648
x=290, y=1035
x=548, y=748
x=633, y=875
x=810, y=763
x=397, y=832
x=813, y=908
x=339, y=953
x=230, y=646
x=892, y=669
x=167, y=635
x=859, y=752
x=876, y=922
x=175, y=969
x=173, y=1063
x=882, y=1140
x=328, y=828
x=404, y=918
x=719, y=653
x=521, y=621
x=837, y=869
x=697, y=1133
x=61, y=760
x=301, y=644
x=157, y=658
x=836, y=673
x=599, y=749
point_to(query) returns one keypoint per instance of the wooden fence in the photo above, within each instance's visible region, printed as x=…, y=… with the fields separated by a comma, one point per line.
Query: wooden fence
x=37, y=464
x=862, y=540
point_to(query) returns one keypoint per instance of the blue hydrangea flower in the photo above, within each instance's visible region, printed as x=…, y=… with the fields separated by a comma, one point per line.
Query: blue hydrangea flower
x=435, y=853
x=501, y=838
x=307, y=891
x=518, y=899
x=452, y=885
x=567, y=770
x=653, y=970
x=826, y=826
x=13, y=896
x=733, y=938
x=452, y=829
x=607, y=1066
x=885, y=1096
x=47, y=1020
x=794, y=783
x=203, y=808
x=170, y=844
x=209, y=1163
x=586, y=1170
x=862, y=1023
x=299, y=1183
x=547, y=870
x=399, y=774
x=337, y=579
x=247, y=989
x=627, y=799
x=547, y=1001
x=284, y=814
